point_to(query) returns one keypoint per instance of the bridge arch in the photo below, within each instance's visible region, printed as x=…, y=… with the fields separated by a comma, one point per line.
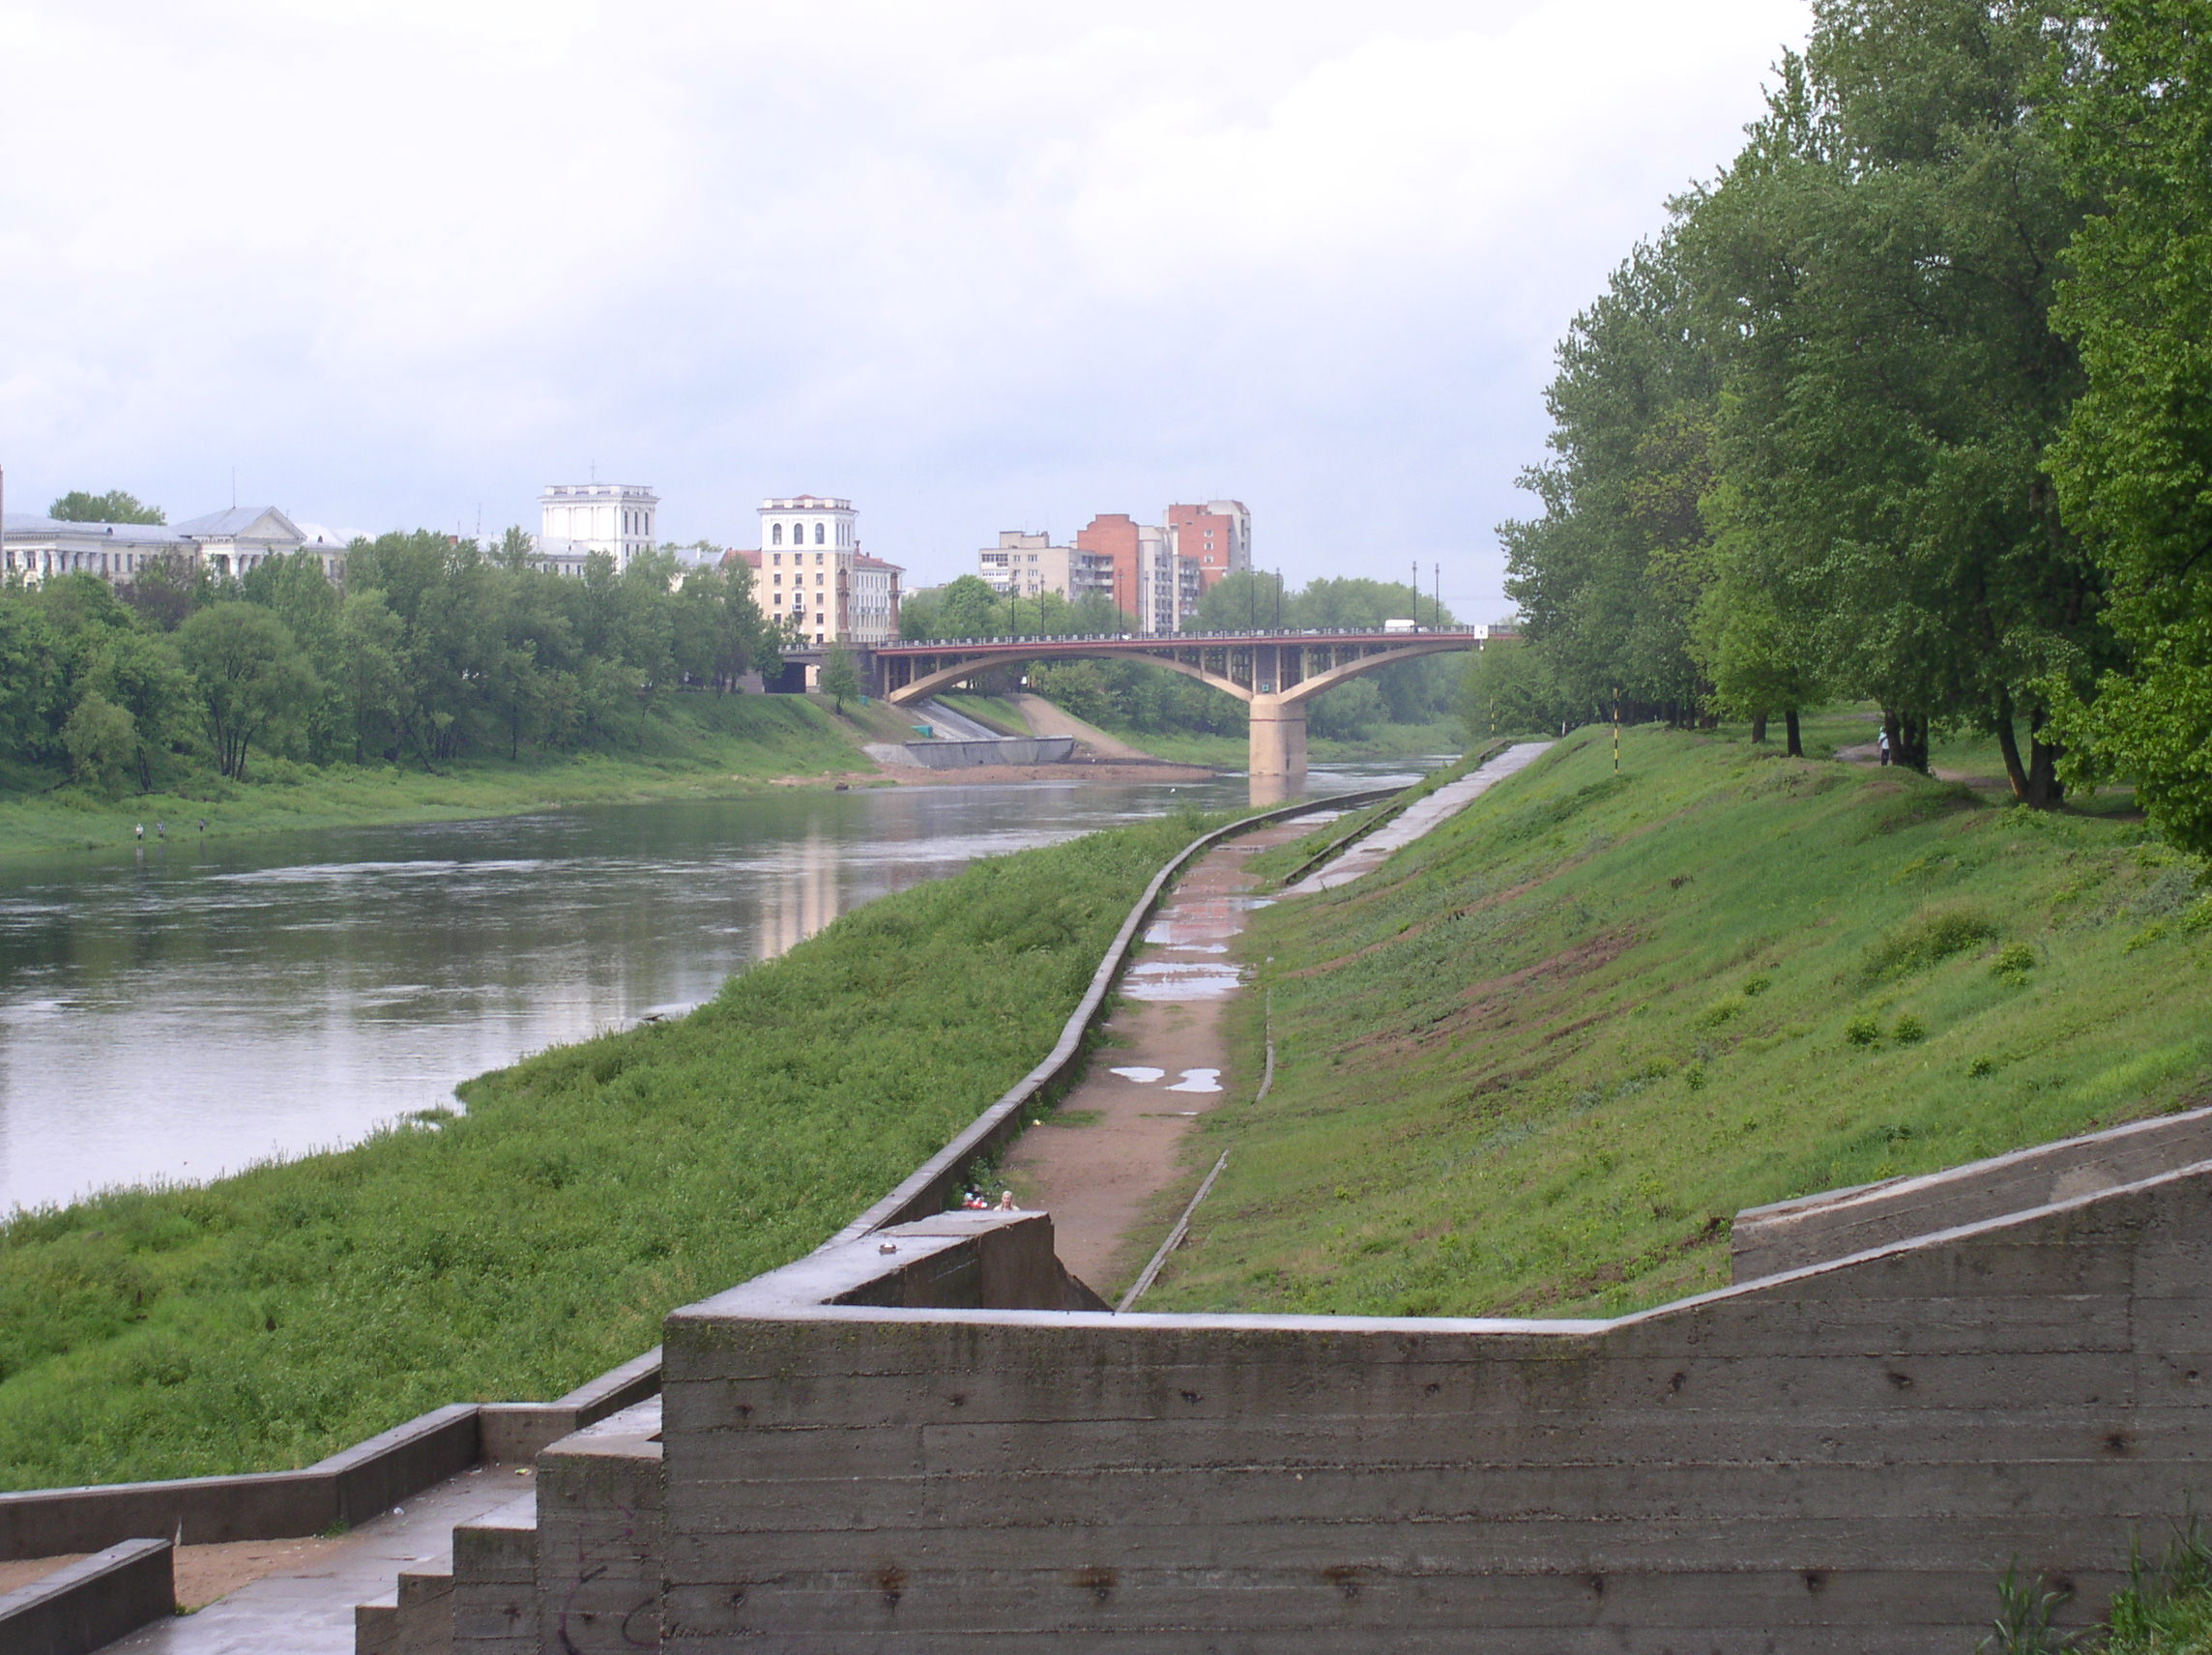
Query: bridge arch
x=1281, y=671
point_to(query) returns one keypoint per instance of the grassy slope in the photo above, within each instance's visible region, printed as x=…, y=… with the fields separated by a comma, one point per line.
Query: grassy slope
x=267, y=1318
x=1539, y=1061
x=705, y=746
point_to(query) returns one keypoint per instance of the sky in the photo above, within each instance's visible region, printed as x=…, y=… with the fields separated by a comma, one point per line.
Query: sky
x=976, y=266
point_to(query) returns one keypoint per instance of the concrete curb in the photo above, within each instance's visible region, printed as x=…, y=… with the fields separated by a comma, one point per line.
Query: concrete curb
x=90, y=1603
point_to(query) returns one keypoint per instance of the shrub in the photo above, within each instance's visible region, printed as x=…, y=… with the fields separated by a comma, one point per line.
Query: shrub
x=1928, y=938
x=1981, y=1067
x=1909, y=1030
x=1863, y=1030
x=1756, y=985
x=2014, y=961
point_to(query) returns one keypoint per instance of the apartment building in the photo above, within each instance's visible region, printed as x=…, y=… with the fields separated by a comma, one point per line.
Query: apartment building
x=1214, y=538
x=810, y=572
x=1023, y=565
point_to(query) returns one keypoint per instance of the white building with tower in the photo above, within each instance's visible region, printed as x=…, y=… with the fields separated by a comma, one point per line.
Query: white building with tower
x=576, y=520
x=810, y=574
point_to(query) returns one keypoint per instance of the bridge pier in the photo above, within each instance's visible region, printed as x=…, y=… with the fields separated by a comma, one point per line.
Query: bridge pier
x=1278, y=739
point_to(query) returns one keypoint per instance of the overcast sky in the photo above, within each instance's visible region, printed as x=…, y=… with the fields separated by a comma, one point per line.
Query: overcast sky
x=976, y=266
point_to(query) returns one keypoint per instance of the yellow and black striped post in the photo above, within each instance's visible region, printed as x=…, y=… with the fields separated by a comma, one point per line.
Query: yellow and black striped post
x=1617, y=729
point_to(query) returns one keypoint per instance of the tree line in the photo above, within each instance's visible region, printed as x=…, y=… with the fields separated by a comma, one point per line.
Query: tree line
x=432, y=649
x=1912, y=404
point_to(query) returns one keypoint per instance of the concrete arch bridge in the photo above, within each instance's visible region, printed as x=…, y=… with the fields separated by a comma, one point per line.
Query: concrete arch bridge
x=1275, y=674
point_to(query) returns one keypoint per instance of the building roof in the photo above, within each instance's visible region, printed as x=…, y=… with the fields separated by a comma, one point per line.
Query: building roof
x=240, y=523
x=27, y=524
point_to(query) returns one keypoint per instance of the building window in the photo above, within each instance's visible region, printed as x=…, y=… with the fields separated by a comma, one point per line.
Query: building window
x=775, y=535
x=818, y=534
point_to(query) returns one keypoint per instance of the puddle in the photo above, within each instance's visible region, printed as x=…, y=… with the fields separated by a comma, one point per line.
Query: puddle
x=1198, y=1080
x=1140, y=1074
x=1171, y=980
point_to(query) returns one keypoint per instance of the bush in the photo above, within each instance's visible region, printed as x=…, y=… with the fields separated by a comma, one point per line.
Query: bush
x=2014, y=961
x=1863, y=1030
x=1930, y=937
x=1909, y=1030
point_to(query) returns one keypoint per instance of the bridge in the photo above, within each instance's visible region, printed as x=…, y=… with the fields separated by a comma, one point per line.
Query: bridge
x=1275, y=674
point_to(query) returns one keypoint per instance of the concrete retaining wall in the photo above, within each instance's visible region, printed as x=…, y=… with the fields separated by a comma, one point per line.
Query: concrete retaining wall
x=1838, y=1459
x=91, y=1603
x=1001, y=750
x=348, y=1487
x=1788, y=1235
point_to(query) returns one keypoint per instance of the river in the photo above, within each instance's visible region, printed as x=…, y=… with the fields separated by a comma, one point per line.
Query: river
x=189, y=1009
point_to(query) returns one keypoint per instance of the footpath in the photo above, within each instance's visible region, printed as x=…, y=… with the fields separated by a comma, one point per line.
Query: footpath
x=1102, y=1161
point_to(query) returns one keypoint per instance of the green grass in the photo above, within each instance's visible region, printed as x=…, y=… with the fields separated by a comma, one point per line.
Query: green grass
x=511, y=1253
x=1537, y=1062
x=702, y=746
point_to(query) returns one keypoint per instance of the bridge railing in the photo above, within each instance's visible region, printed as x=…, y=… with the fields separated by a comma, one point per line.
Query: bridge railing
x=1160, y=640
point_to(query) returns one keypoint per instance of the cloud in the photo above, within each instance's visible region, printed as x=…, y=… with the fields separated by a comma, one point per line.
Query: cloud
x=976, y=265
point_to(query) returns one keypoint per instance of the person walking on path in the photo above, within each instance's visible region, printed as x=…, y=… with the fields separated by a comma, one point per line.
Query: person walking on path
x=142, y=832
x=1885, y=746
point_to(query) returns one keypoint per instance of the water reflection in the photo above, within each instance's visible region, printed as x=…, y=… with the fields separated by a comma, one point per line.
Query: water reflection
x=185, y=1010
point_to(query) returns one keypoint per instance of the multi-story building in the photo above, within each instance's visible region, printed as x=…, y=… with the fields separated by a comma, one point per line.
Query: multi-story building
x=1214, y=538
x=1110, y=541
x=226, y=544
x=1142, y=571
x=576, y=520
x=1023, y=565
x=809, y=573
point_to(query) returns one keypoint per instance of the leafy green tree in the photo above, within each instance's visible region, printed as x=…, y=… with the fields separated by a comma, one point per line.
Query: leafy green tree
x=113, y=506
x=1607, y=576
x=1880, y=263
x=840, y=676
x=253, y=681
x=367, y=672
x=2134, y=469
x=1507, y=689
x=102, y=743
x=139, y=673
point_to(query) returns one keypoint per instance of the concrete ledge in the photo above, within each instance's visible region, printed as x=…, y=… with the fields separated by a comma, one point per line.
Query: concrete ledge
x=509, y=1432
x=1790, y=1235
x=91, y=1604
x=350, y=1486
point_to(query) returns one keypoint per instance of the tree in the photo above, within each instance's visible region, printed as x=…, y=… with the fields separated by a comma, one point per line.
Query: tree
x=1877, y=269
x=139, y=673
x=2134, y=469
x=252, y=680
x=840, y=676
x=113, y=506
x=102, y=743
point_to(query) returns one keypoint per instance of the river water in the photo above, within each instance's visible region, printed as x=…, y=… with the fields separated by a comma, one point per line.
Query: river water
x=186, y=1010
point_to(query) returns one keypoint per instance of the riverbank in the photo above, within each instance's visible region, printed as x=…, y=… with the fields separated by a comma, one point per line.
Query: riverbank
x=1535, y=1063
x=702, y=747
x=263, y=1320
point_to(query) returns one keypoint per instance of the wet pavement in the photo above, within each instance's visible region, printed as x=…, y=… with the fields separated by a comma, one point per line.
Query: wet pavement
x=1101, y=1161
x=1417, y=819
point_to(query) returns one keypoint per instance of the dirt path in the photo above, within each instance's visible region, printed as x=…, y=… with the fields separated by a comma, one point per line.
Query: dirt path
x=1101, y=1161
x=1046, y=719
